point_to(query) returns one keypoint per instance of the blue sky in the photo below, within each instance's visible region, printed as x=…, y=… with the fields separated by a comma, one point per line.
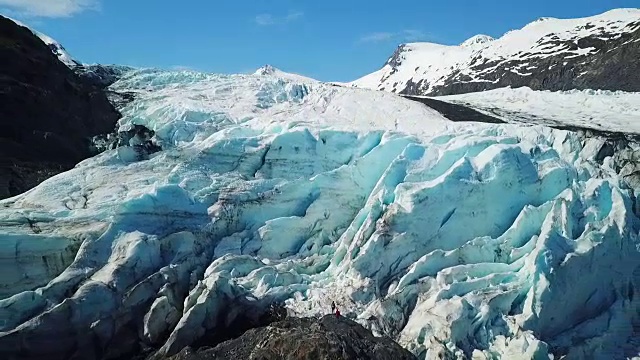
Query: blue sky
x=337, y=40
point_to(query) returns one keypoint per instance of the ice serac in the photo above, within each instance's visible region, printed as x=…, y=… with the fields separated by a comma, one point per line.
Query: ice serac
x=597, y=52
x=458, y=240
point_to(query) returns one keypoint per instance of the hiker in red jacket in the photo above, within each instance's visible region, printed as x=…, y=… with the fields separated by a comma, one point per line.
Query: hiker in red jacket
x=338, y=313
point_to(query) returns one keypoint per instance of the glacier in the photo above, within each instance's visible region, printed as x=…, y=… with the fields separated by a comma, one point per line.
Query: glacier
x=459, y=240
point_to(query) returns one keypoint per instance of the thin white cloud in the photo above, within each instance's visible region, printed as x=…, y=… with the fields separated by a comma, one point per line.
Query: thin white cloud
x=400, y=36
x=294, y=15
x=377, y=37
x=49, y=8
x=269, y=19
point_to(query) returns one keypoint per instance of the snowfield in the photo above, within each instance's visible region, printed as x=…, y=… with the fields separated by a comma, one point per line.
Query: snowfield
x=456, y=239
x=614, y=111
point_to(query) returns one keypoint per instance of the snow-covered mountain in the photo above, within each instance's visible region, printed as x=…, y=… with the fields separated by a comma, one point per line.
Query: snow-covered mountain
x=458, y=240
x=97, y=74
x=598, y=52
x=55, y=46
x=47, y=112
x=58, y=50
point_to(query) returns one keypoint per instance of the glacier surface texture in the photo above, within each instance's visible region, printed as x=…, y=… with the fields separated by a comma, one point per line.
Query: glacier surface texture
x=456, y=239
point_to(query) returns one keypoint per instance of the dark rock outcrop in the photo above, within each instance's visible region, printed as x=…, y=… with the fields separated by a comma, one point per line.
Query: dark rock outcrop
x=48, y=114
x=296, y=338
x=101, y=75
x=135, y=144
x=456, y=112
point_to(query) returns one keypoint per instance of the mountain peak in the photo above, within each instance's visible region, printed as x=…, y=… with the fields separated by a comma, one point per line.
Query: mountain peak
x=584, y=47
x=543, y=19
x=56, y=48
x=270, y=70
x=267, y=70
x=477, y=39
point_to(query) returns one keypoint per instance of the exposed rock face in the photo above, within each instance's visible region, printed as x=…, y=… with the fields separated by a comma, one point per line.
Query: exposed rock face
x=101, y=75
x=294, y=338
x=136, y=144
x=48, y=115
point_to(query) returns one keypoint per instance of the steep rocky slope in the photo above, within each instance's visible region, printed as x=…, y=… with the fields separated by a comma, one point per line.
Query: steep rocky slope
x=598, y=52
x=101, y=75
x=304, y=338
x=48, y=113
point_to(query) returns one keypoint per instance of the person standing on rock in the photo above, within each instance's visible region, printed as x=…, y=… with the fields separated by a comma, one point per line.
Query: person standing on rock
x=333, y=307
x=337, y=313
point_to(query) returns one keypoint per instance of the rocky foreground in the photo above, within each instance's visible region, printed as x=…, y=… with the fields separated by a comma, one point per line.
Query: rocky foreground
x=303, y=338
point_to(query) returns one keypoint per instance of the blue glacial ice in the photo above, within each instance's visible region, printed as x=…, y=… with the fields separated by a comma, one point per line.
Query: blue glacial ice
x=456, y=239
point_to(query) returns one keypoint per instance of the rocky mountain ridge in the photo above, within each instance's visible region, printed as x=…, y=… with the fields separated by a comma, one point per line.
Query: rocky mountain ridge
x=597, y=52
x=49, y=113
